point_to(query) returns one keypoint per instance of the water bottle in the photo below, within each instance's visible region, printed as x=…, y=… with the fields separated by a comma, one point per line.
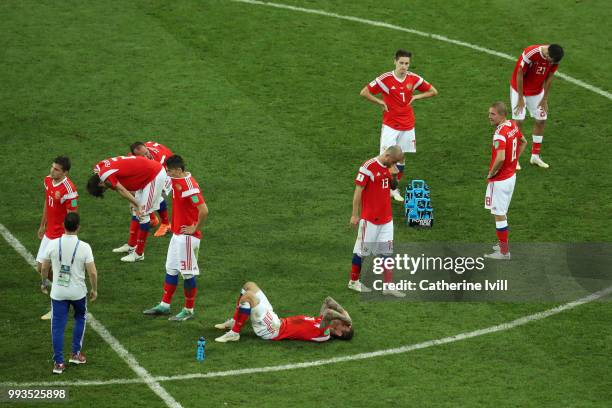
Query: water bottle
x=200, y=353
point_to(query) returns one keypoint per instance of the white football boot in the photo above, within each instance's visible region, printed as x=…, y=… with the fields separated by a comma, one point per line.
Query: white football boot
x=226, y=325
x=396, y=195
x=518, y=166
x=498, y=255
x=358, y=286
x=538, y=162
x=46, y=316
x=229, y=336
x=393, y=292
x=125, y=248
x=133, y=257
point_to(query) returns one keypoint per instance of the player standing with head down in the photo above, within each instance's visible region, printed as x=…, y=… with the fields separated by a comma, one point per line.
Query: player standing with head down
x=508, y=144
x=333, y=321
x=189, y=213
x=530, y=86
x=372, y=213
x=398, y=93
x=60, y=199
x=125, y=174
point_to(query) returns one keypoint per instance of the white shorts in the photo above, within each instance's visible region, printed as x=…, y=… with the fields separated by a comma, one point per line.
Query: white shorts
x=150, y=196
x=499, y=194
x=406, y=139
x=183, y=255
x=265, y=322
x=40, y=256
x=531, y=104
x=374, y=239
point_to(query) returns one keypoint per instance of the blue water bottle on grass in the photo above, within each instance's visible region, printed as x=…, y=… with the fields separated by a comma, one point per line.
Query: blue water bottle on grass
x=200, y=352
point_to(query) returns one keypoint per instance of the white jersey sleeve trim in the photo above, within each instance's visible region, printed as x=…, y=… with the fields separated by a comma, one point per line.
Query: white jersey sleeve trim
x=499, y=137
x=382, y=86
x=190, y=192
x=104, y=176
x=69, y=196
x=367, y=172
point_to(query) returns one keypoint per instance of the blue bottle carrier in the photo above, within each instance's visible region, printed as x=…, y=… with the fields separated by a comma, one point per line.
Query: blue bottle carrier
x=417, y=205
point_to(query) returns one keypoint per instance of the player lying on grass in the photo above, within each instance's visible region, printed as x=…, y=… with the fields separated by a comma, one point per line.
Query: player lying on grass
x=333, y=321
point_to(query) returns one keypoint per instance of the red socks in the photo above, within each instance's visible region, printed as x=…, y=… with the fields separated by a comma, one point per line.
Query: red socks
x=141, y=240
x=502, y=235
x=190, y=295
x=243, y=311
x=134, y=227
x=163, y=214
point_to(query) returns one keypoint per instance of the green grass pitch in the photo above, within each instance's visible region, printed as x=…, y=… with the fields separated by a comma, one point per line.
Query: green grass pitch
x=264, y=105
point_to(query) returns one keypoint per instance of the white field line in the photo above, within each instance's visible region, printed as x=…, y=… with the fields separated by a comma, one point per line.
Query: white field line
x=143, y=374
x=374, y=23
x=353, y=357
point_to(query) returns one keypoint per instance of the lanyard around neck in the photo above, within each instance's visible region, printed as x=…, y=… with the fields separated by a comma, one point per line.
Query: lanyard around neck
x=73, y=254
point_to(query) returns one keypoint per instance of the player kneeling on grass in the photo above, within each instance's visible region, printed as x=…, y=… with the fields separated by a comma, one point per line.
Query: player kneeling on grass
x=333, y=321
x=189, y=212
x=508, y=145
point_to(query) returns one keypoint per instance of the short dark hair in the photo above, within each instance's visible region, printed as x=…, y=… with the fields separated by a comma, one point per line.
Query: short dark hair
x=72, y=221
x=135, y=145
x=175, y=162
x=555, y=51
x=345, y=335
x=63, y=161
x=94, y=188
x=402, y=53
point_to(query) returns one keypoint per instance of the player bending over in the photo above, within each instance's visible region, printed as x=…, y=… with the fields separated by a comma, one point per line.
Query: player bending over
x=333, y=321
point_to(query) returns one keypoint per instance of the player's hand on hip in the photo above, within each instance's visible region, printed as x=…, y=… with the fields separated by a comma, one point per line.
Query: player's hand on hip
x=188, y=229
x=520, y=105
x=384, y=106
x=543, y=105
x=41, y=232
x=354, y=221
x=93, y=295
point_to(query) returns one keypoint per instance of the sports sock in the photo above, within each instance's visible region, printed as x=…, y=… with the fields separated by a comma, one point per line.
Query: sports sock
x=169, y=288
x=243, y=311
x=355, y=267
x=163, y=212
x=134, y=225
x=401, y=168
x=143, y=233
x=190, y=290
x=387, y=273
x=536, y=145
x=502, y=235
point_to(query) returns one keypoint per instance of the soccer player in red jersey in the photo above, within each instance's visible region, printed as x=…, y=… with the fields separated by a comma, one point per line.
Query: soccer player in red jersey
x=333, y=320
x=158, y=152
x=125, y=174
x=189, y=213
x=60, y=199
x=508, y=145
x=398, y=93
x=372, y=213
x=529, y=86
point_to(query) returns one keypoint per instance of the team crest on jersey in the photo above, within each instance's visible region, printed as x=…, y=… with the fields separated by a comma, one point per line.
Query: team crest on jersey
x=179, y=187
x=57, y=195
x=409, y=87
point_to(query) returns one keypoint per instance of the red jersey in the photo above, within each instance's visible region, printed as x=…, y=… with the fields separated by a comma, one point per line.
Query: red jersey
x=186, y=197
x=302, y=328
x=375, y=198
x=133, y=172
x=397, y=95
x=60, y=198
x=159, y=152
x=507, y=137
x=536, y=69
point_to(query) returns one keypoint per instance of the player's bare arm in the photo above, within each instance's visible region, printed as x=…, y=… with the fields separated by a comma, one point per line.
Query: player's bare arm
x=43, y=222
x=331, y=315
x=356, y=206
x=394, y=181
x=520, y=104
x=365, y=92
x=93, y=280
x=499, y=161
x=202, y=215
x=44, y=275
x=330, y=303
x=123, y=192
x=543, y=104
x=424, y=95
x=523, y=145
